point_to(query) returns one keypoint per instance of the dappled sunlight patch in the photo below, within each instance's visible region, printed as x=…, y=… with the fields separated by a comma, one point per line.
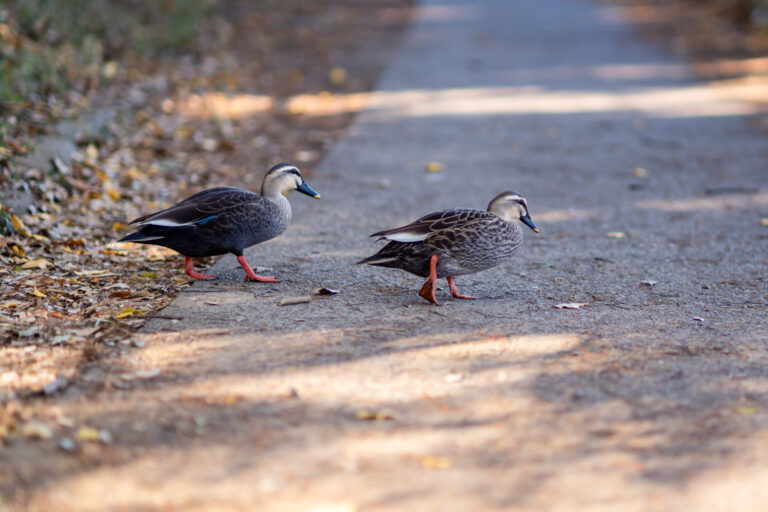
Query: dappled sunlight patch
x=565, y=215
x=326, y=104
x=732, y=67
x=256, y=367
x=533, y=345
x=736, y=485
x=443, y=13
x=452, y=347
x=225, y=106
x=725, y=98
x=714, y=203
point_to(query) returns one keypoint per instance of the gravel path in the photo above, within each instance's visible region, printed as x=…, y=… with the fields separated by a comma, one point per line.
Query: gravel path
x=649, y=188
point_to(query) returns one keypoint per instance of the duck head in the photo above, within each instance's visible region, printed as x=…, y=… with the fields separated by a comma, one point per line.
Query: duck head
x=283, y=178
x=511, y=206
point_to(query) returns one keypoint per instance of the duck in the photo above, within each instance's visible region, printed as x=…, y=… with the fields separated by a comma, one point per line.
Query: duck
x=224, y=220
x=455, y=242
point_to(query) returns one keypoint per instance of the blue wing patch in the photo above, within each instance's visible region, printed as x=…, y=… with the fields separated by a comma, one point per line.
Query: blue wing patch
x=203, y=221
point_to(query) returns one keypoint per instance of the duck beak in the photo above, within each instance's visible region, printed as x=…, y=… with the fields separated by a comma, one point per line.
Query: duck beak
x=304, y=189
x=528, y=222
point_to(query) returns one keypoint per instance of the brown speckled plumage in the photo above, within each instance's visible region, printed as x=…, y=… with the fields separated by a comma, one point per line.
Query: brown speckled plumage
x=464, y=240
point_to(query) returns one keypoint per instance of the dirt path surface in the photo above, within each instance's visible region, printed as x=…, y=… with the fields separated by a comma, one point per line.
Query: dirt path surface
x=650, y=190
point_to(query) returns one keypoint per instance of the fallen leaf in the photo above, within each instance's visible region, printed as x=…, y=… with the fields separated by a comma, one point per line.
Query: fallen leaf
x=38, y=263
x=36, y=430
x=17, y=224
x=38, y=293
x=87, y=434
x=19, y=251
x=570, y=305
x=324, y=291
x=91, y=152
x=337, y=75
x=378, y=415
x=149, y=275
x=92, y=434
x=126, y=312
x=8, y=305
x=434, y=167
x=113, y=193
x=41, y=238
x=289, y=301
x=746, y=410
x=232, y=399
x=91, y=273
x=435, y=462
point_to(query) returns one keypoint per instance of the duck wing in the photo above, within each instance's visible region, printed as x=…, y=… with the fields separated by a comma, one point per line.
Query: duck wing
x=200, y=208
x=419, y=230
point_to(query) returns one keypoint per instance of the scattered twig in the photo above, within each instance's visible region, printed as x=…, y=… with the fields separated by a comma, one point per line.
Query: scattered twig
x=290, y=301
x=264, y=292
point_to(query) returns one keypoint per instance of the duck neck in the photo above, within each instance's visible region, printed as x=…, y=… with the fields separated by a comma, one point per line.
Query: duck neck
x=502, y=213
x=280, y=203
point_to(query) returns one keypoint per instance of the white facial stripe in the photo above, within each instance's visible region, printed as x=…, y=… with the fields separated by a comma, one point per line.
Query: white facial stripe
x=283, y=168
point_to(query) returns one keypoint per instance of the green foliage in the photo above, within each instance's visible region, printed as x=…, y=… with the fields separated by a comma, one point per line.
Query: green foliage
x=120, y=25
x=50, y=46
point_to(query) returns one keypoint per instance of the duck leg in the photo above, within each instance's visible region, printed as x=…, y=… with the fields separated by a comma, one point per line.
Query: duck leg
x=455, y=291
x=428, y=290
x=189, y=269
x=250, y=275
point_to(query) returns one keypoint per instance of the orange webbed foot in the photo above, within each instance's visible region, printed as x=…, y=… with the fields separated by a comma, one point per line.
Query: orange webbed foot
x=428, y=290
x=250, y=275
x=190, y=271
x=455, y=291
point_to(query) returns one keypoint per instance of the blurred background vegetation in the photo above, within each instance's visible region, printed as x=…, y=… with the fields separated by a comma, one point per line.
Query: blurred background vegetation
x=744, y=13
x=48, y=46
x=53, y=53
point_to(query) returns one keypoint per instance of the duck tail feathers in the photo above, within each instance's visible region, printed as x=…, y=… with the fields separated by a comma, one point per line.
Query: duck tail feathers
x=140, y=238
x=377, y=260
